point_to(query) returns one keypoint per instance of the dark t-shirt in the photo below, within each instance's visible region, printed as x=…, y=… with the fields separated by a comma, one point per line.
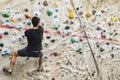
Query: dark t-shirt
x=34, y=38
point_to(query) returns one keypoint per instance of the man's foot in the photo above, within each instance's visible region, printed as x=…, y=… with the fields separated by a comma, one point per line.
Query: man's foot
x=40, y=69
x=5, y=70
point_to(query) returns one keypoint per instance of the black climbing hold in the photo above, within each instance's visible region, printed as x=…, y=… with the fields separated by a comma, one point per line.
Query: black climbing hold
x=53, y=40
x=53, y=78
x=23, y=36
x=98, y=28
x=116, y=34
x=98, y=46
x=107, y=43
x=94, y=11
x=67, y=27
x=112, y=47
x=48, y=37
x=39, y=3
x=77, y=8
x=26, y=10
x=6, y=33
x=112, y=55
x=104, y=30
x=1, y=45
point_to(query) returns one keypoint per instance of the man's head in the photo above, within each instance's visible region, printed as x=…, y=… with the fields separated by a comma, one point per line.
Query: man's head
x=35, y=21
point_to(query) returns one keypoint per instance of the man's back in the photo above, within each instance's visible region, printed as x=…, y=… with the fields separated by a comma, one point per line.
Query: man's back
x=34, y=37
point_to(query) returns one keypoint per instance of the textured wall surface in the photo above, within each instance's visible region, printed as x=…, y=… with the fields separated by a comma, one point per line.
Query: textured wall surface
x=81, y=39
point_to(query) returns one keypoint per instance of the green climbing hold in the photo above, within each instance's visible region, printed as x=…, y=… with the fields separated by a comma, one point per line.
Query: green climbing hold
x=111, y=33
x=6, y=15
x=78, y=50
x=73, y=40
x=57, y=26
x=46, y=44
x=49, y=12
x=102, y=49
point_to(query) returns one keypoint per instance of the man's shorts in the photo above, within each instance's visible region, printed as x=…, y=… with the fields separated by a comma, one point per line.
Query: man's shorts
x=26, y=53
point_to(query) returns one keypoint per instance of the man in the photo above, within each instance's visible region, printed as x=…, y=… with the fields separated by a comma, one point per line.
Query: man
x=34, y=47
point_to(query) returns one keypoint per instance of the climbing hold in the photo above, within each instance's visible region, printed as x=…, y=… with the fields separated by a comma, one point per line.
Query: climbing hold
x=45, y=3
x=80, y=13
x=46, y=43
x=89, y=14
x=110, y=24
x=71, y=22
x=12, y=19
x=112, y=19
x=73, y=40
x=45, y=57
x=5, y=52
x=67, y=27
x=77, y=8
x=71, y=15
x=7, y=20
x=19, y=19
x=98, y=28
x=103, y=11
x=53, y=40
x=6, y=33
x=55, y=54
x=107, y=43
x=53, y=78
x=102, y=49
x=49, y=12
x=6, y=14
x=48, y=37
x=111, y=33
x=112, y=55
x=36, y=14
x=78, y=50
x=29, y=23
x=55, y=16
x=94, y=11
x=56, y=10
x=1, y=45
x=70, y=10
x=26, y=10
x=57, y=26
x=19, y=27
x=119, y=18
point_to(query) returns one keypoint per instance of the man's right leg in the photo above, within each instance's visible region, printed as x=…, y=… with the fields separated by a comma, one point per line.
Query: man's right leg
x=40, y=62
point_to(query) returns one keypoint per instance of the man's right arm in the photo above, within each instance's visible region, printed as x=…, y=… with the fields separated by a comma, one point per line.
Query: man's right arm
x=27, y=15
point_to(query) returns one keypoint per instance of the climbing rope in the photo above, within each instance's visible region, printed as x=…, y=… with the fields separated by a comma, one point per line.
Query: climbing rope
x=86, y=38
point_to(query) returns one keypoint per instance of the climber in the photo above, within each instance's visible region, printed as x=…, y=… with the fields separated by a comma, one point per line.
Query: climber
x=34, y=47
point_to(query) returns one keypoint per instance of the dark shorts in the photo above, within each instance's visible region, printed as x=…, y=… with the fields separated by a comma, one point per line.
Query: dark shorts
x=25, y=53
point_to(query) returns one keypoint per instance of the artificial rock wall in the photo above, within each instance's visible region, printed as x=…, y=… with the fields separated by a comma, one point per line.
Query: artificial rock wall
x=65, y=46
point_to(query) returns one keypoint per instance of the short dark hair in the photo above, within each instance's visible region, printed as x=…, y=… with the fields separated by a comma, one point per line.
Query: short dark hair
x=35, y=21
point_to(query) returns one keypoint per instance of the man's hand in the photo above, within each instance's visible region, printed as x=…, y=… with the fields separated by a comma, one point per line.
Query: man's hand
x=27, y=15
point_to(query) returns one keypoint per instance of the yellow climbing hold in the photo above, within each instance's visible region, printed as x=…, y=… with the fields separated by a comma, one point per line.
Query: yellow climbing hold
x=70, y=10
x=12, y=19
x=119, y=18
x=89, y=14
x=112, y=19
x=71, y=15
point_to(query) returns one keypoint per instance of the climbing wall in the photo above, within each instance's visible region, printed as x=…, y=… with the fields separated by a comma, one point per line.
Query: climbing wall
x=81, y=38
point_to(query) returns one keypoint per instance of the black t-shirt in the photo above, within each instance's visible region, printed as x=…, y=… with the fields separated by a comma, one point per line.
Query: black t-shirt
x=34, y=38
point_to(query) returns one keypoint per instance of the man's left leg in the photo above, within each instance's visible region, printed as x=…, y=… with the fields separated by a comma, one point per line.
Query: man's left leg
x=13, y=60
